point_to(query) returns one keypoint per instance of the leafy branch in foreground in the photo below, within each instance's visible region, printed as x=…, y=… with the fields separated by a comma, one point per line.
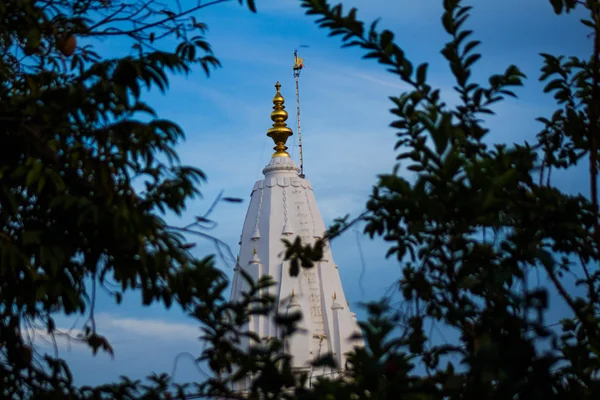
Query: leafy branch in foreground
x=476, y=220
x=87, y=172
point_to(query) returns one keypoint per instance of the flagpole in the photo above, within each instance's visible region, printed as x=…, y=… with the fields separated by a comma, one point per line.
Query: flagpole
x=297, y=69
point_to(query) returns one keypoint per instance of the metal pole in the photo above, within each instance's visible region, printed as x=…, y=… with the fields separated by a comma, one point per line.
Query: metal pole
x=296, y=76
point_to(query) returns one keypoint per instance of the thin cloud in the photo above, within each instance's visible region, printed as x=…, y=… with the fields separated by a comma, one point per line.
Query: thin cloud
x=157, y=329
x=116, y=330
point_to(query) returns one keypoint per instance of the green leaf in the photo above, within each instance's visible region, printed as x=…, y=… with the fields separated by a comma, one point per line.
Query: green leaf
x=422, y=73
x=557, y=5
x=31, y=237
x=546, y=259
x=232, y=199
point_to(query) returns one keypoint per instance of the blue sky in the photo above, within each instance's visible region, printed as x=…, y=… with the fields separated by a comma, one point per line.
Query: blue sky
x=346, y=137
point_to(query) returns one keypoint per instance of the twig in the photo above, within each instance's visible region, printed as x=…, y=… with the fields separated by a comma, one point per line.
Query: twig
x=362, y=263
x=590, y=328
x=157, y=23
x=110, y=17
x=186, y=353
x=210, y=210
x=218, y=242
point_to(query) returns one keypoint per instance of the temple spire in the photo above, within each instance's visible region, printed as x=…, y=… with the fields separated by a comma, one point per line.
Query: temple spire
x=283, y=205
x=280, y=131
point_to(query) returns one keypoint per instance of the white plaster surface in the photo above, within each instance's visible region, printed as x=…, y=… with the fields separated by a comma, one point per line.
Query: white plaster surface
x=282, y=205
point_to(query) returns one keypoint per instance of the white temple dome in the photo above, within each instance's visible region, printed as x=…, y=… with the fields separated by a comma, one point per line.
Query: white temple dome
x=283, y=206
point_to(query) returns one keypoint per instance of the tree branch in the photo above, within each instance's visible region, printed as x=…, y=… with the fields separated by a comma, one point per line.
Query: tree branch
x=144, y=27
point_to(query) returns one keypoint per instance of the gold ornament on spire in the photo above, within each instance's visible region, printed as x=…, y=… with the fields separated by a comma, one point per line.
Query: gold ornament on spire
x=280, y=131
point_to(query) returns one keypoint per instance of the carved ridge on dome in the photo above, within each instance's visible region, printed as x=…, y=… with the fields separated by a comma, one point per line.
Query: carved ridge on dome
x=286, y=228
x=281, y=182
x=256, y=233
x=280, y=164
x=312, y=216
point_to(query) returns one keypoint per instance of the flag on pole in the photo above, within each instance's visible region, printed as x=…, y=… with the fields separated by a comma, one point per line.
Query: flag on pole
x=298, y=62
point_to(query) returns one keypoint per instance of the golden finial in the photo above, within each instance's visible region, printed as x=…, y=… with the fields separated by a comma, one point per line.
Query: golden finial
x=334, y=296
x=255, y=251
x=293, y=294
x=280, y=131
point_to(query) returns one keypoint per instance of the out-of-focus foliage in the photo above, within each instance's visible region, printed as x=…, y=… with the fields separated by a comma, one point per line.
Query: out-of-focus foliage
x=471, y=222
x=76, y=139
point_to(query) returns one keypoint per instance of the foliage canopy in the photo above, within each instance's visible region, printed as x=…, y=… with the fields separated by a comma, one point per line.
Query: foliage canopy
x=469, y=230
